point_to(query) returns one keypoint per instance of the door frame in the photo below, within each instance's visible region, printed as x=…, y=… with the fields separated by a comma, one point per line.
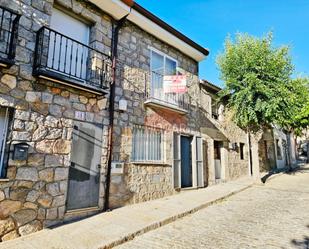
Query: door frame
x=193, y=160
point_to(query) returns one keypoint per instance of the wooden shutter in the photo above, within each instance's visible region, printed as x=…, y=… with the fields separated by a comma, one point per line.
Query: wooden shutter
x=177, y=161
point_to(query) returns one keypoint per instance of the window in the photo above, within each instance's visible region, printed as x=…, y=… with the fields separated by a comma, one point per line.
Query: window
x=161, y=65
x=5, y=118
x=241, y=150
x=279, y=152
x=147, y=144
x=60, y=47
x=217, y=150
x=214, y=111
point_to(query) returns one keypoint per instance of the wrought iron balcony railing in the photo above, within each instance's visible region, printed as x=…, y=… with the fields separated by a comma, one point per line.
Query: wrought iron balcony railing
x=63, y=59
x=155, y=94
x=8, y=36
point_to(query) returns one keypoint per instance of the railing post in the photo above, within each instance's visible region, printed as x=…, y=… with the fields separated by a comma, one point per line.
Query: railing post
x=13, y=38
x=37, y=57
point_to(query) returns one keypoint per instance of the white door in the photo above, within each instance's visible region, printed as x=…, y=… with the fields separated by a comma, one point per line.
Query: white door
x=3, y=134
x=65, y=55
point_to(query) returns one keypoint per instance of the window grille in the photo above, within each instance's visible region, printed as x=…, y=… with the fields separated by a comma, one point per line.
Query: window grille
x=147, y=144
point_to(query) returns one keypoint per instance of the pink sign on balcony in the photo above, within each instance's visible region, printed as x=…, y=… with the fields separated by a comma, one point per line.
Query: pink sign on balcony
x=175, y=84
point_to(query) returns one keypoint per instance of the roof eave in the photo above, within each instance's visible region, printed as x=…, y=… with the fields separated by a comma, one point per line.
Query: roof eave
x=153, y=25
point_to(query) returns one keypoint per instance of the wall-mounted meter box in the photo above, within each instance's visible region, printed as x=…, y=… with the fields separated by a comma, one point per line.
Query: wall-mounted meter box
x=233, y=146
x=117, y=168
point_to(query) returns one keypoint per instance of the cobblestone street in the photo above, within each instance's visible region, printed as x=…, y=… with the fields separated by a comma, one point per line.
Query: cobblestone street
x=275, y=215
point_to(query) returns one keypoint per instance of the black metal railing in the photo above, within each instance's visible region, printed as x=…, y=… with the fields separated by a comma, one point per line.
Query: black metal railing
x=156, y=92
x=215, y=115
x=60, y=57
x=8, y=35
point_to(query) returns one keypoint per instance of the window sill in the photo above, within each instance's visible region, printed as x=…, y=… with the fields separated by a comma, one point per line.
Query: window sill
x=149, y=163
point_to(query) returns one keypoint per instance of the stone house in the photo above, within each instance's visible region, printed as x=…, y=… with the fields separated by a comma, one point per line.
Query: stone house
x=272, y=149
x=54, y=82
x=227, y=145
x=61, y=63
x=157, y=147
x=276, y=149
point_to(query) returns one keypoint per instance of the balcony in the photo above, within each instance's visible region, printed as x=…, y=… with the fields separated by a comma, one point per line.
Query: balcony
x=157, y=98
x=8, y=36
x=64, y=60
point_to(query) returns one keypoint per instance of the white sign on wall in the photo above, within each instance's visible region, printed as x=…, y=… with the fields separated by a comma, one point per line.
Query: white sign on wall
x=175, y=84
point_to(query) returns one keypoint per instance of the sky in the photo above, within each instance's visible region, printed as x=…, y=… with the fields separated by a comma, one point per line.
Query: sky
x=208, y=22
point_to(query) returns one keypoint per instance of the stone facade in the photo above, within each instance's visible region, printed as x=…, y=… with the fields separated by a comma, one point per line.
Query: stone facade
x=34, y=194
x=222, y=129
x=142, y=182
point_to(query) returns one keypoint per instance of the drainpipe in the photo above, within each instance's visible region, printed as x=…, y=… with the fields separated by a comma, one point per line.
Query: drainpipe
x=116, y=29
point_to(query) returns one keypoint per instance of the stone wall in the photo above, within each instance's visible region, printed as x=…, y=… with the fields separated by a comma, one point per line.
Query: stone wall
x=34, y=194
x=237, y=167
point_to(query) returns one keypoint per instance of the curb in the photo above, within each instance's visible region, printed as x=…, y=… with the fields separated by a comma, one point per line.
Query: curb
x=171, y=219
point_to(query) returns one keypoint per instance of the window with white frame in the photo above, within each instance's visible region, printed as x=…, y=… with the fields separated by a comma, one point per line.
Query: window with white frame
x=160, y=65
x=147, y=144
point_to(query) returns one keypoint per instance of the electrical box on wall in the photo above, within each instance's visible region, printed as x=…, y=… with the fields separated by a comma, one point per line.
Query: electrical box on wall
x=123, y=105
x=117, y=168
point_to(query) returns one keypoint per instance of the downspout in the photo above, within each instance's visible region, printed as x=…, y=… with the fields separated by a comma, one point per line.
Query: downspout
x=115, y=36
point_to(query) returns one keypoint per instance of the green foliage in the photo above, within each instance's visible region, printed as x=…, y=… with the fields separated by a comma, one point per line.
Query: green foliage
x=300, y=105
x=257, y=79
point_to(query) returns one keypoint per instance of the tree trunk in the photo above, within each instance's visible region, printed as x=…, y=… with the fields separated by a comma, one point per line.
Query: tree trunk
x=308, y=151
x=250, y=152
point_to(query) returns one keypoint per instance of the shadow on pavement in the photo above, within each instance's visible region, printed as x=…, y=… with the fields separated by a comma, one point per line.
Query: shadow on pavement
x=303, y=243
x=300, y=168
x=272, y=173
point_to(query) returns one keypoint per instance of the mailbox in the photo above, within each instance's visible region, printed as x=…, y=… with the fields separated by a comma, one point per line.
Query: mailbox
x=20, y=151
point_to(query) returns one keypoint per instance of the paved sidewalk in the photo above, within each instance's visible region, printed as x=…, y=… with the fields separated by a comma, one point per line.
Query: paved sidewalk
x=113, y=228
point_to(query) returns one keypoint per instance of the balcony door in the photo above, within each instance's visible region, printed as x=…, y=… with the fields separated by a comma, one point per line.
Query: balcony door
x=66, y=52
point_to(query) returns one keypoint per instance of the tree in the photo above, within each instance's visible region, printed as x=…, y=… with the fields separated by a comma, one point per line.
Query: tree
x=300, y=103
x=257, y=79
